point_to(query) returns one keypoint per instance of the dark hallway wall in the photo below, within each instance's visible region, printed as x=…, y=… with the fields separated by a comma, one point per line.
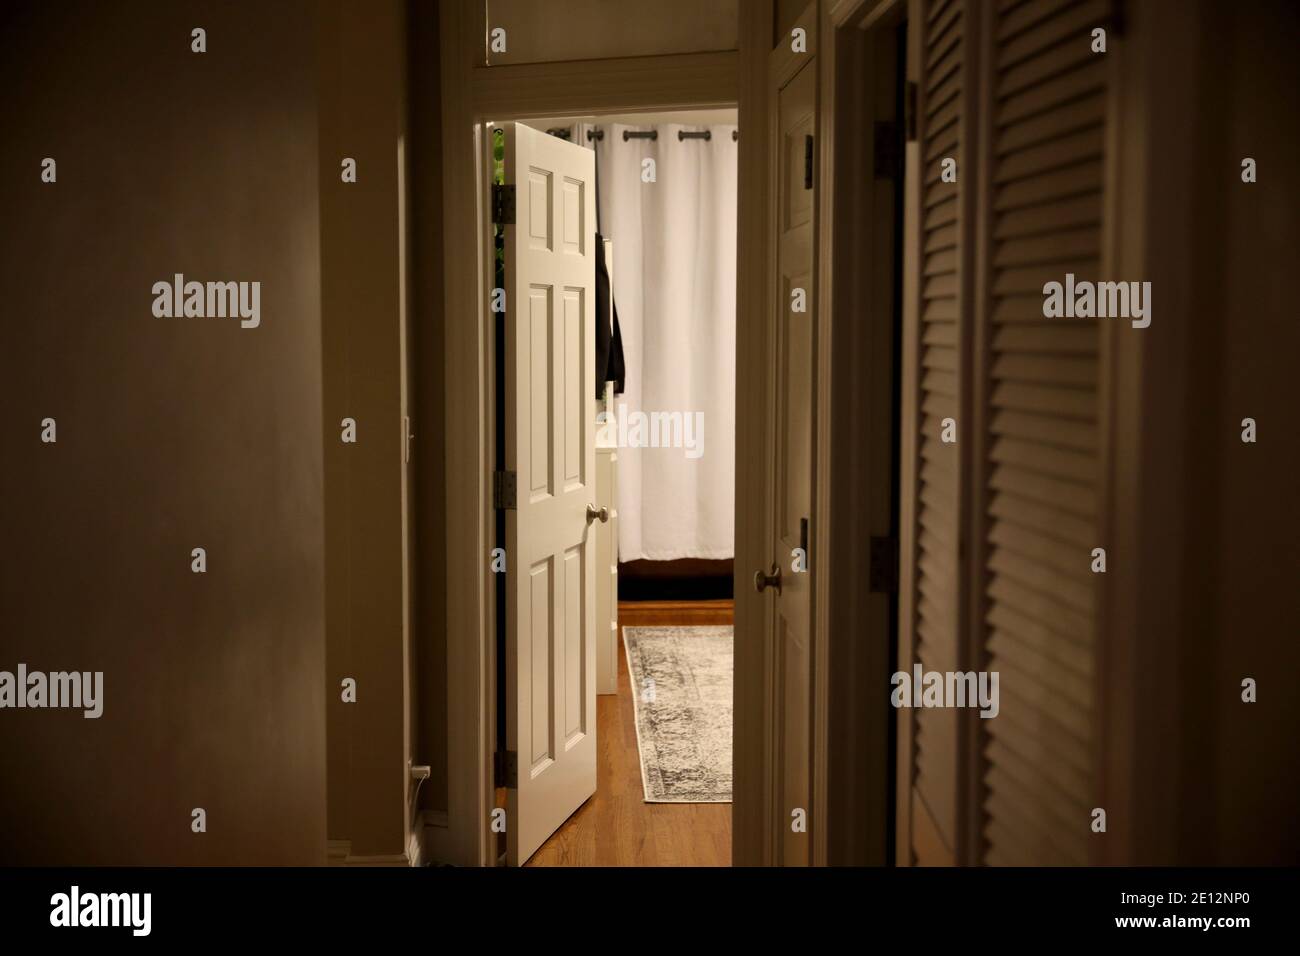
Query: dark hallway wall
x=1244, y=765
x=173, y=433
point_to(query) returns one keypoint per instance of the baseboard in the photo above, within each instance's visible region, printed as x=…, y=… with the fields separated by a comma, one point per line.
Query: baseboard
x=388, y=859
x=336, y=851
x=652, y=613
x=339, y=853
x=435, y=837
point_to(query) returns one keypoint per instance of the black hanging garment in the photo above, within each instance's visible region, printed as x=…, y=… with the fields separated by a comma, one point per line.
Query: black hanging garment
x=617, y=371
x=609, y=340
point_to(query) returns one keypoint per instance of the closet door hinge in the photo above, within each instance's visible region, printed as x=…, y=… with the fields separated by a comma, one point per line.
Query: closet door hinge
x=808, y=162
x=503, y=204
x=505, y=769
x=503, y=490
x=909, y=110
x=883, y=576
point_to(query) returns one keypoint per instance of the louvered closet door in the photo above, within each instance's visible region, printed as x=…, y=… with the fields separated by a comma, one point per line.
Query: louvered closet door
x=934, y=582
x=1041, y=408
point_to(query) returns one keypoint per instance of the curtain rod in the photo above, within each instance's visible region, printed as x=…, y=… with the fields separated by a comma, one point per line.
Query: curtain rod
x=599, y=134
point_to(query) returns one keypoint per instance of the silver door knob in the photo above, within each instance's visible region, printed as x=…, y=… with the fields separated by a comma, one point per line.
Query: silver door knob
x=770, y=580
x=593, y=514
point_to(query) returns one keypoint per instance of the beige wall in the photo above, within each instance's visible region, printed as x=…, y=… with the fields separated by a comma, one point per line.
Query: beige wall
x=598, y=29
x=172, y=434
x=363, y=116
x=183, y=433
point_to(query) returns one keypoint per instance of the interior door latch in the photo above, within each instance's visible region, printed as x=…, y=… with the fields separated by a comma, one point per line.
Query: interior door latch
x=770, y=580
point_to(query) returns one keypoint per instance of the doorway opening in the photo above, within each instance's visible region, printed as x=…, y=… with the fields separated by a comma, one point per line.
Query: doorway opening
x=659, y=425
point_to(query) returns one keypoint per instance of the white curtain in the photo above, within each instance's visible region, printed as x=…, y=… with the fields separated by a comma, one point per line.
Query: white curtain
x=674, y=271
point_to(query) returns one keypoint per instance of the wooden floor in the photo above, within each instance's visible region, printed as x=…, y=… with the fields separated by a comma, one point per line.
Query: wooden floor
x=616, y=827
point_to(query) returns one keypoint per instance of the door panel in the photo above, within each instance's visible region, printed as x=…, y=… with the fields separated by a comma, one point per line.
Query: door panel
x=1042, y=409
x=793, y=448
x=550, y=444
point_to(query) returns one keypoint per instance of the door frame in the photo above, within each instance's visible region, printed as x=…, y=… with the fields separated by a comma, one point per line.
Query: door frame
x=854, y=773
x=472, y=94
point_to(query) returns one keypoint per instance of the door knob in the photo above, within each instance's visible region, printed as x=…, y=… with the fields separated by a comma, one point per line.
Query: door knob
x=770, y=580
x=593, y=514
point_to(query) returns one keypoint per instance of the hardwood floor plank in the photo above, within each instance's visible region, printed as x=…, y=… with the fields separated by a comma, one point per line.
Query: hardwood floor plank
x=616, y=827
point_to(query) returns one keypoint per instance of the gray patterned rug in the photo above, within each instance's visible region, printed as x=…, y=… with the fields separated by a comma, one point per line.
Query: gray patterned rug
x=681, y=691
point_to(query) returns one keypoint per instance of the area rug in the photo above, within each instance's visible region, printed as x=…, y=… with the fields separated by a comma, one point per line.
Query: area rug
x=681, y=693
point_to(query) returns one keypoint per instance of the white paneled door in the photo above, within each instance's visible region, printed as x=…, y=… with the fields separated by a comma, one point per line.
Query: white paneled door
x=550, y=386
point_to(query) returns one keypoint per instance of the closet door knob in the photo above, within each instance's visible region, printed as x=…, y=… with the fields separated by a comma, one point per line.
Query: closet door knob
x=770, y=580
x=593, y=514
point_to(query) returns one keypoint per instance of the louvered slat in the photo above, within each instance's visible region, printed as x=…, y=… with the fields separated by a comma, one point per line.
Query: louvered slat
x=1059, y=121
x=1048, y=218
x=1026, y=15
x=1028, y=281
x=1070, y=21
x=1077, y=689
x=1064, y=588
x=1053, y=93
x=1065, y=402
x=1034, y=842
x=1041, y=458
x=1021, y=754
x=1032, y=543
x=1074, y=244
x=1003, y=617
x=1056, y=797
x=1025, y=728
x=1015, y=509
x=1042, y=608
x=1035, y=832
x=1046, y=429
x=1050, y=155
